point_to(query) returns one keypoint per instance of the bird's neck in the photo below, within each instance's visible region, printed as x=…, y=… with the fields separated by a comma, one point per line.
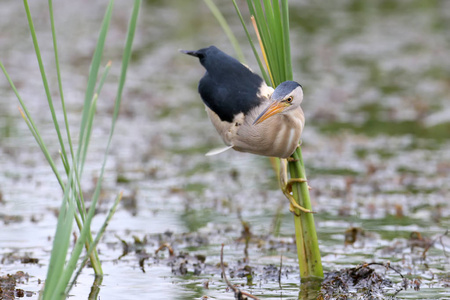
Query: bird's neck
x=290, y=126
x=295, y=118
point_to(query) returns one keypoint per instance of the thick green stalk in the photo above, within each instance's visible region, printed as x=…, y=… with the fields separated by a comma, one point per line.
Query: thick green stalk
x=310, y=262
x=272, y=22
x=272, y=25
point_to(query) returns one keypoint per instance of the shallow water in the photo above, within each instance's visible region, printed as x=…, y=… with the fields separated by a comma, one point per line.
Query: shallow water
x=377, y=85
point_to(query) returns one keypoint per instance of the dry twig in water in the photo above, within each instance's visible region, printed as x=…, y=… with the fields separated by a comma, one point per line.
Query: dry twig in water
x=238, y=294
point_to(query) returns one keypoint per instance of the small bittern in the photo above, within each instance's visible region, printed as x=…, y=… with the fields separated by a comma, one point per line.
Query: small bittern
x=249, y=115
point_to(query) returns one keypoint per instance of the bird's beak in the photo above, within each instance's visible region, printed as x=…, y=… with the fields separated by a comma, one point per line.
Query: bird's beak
x=273, y=109
x=189, y=52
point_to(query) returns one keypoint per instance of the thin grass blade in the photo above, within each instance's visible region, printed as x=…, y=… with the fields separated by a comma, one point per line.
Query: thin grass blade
x=59, y=273
x=92, y=80
x=266, y=37
x=126, y=58
x=277, y=27
x=255, y=52
x=33, y=127
x=80, y=202
x=255, y=26
x=286, y=39
x=224, y=24
x=61, y=91
x=85, y=231
x=94, y=244
x=103, y=78
x=60, y=245
x=44, y=77
x=64, y=277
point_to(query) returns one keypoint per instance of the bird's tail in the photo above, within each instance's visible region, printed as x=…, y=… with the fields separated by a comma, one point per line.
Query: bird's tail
x=218, y=150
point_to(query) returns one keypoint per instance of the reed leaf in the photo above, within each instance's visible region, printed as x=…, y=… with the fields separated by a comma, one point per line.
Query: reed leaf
x=92, y=81
x=32, y=126
x=96, y=240
x=59, y=272
x=85, y=231
x=226, y=28
x=44, y=76
x=60, y=247
x=255, y=52
x=61, y=90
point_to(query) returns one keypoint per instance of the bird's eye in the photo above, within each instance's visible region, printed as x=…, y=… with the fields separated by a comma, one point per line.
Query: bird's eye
x=289, y=100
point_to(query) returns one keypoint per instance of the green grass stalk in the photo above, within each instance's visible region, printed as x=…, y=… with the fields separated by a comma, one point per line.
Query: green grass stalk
x=72, y=206
x=44, y=76
x=92, y=80
x=218, y=15
x=95, y=262
x=255, y=52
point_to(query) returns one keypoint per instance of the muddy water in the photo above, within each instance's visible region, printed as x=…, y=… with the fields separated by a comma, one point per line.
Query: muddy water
x=377, y=85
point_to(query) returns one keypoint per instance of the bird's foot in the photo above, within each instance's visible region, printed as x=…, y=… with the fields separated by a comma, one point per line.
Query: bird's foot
x=291, y=159
x=286, y=187
x=293, y=205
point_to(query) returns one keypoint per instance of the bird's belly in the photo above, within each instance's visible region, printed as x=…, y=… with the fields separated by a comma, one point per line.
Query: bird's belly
x=277, y=136
x=281, y=142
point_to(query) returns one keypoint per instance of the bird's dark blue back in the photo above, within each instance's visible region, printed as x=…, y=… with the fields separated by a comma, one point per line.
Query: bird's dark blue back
x=228, y=87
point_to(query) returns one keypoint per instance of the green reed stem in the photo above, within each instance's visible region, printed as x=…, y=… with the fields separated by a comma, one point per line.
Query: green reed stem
x=272, y=23
x=310, y=261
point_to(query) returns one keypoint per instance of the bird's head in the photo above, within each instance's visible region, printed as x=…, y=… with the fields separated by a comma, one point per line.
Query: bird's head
x=285, y=98
x=212, y=58
x=201, y=54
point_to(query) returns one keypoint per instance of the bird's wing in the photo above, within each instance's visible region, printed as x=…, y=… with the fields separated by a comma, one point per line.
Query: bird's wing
x=231, y=91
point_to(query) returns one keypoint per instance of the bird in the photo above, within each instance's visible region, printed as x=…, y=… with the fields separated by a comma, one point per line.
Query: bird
x=249, y=115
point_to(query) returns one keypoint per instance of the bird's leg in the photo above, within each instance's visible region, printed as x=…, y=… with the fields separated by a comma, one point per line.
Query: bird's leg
x=286, y=187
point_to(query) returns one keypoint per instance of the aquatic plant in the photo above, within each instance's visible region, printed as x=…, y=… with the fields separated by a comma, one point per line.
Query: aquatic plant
x=63, y=270
x=271, y=22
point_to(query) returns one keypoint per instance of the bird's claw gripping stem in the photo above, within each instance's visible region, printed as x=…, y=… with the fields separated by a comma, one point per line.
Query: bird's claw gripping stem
x=286, y=187
x=293, y=203
x=291, y=159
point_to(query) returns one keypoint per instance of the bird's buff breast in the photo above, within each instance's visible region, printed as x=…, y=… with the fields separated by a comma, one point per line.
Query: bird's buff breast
x=277, y=136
